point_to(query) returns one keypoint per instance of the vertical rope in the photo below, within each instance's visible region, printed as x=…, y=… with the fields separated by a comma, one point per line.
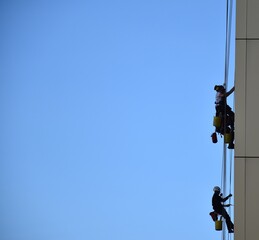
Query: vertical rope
x=225, y=118
x=229, y=6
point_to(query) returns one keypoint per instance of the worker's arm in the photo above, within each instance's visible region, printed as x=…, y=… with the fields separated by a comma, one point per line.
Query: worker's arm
x=227, y=205
x=230, y=91
x=226, y=198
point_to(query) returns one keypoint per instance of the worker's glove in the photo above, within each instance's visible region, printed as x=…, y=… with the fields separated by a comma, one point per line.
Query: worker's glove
x=230, y=195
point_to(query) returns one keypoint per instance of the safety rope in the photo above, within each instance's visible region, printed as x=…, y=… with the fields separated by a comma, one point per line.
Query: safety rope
x=230, y=187
x=230, y=176
x=229, y=6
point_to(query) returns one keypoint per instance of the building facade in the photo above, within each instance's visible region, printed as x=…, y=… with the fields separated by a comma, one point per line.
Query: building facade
x=247, y=121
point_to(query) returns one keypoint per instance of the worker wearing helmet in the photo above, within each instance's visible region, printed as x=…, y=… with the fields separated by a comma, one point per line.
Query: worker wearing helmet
x=218, y=207
x=225, y=112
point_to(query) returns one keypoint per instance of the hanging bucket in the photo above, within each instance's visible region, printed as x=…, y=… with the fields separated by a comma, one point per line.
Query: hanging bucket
x=218, y=225
x=214, y=137
x=227, y=137
x=216, y=122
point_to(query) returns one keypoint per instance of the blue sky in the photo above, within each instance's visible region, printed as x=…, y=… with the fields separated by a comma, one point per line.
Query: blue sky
x=106, y=117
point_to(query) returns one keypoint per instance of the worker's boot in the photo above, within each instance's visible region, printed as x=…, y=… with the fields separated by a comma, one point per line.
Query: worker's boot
x=231, y=146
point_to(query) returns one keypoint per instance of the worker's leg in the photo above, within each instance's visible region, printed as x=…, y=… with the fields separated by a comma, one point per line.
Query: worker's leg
x=231, y=116
x=230, y=225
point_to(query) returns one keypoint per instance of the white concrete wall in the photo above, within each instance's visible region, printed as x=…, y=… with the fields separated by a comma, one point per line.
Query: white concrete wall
x=247, y=121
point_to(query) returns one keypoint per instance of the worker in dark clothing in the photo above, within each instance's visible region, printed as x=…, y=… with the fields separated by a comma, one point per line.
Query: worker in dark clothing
x=218, y=207
x=221, y=104
x=225, y=112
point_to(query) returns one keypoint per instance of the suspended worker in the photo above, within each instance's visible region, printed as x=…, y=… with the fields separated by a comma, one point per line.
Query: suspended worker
x=225, y=112
x=219, y=208
x=221, y=104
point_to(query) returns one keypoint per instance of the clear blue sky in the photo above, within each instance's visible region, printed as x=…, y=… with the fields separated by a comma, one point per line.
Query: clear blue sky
x=106, y=117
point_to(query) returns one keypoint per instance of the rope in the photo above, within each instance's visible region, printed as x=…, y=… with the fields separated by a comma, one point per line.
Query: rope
x=229, y=6
x=230, y=184
x=230, y=177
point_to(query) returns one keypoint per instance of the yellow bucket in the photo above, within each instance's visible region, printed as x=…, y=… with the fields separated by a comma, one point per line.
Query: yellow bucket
x=218, y=225
x=216, y=122
x=227, y=137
